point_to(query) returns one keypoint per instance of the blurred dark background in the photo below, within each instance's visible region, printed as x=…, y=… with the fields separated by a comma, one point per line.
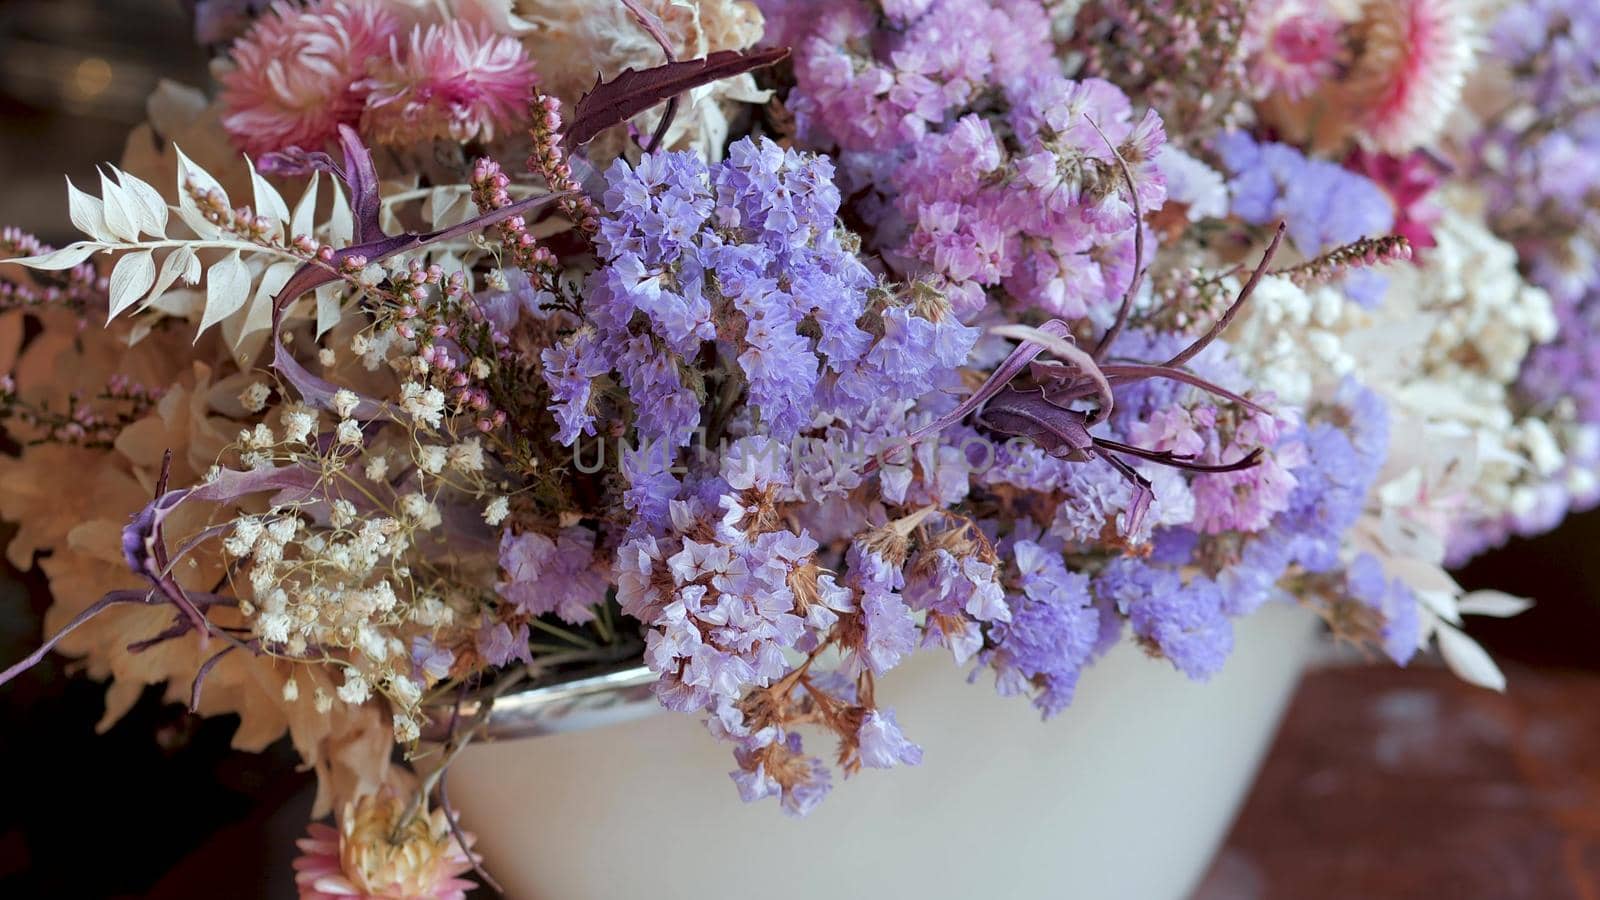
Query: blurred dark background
x=1382, y=784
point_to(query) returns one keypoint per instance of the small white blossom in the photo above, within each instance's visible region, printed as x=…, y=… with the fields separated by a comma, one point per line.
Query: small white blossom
x=291, y=691
x=322, y=702
x=406, y=691
x=345, y=402
x=326, y=356
x=497, y=510
x=420, y=510
x=342, y=513
x=243, y=539
x=467, y=456
x=426, y=405
x=299, y=424
x=284, y=529
x=355, y=689
x=377, y=468
x=273, y=627
x=406, y=728
x=254, y=397
x=349, y=432
x=432, y=459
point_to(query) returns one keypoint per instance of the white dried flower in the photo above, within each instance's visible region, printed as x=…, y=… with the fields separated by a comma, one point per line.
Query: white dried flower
x=355, y=689
x=467, y=456
x=284, y=529
x=326, y=356
x=432, y=459
x=406, y=729
x=420, y=510
x=322, y=702
x=345, y=402
x=246, y=531
x=299, y=424
x=426, y=405
x=349, y=432
x=406, y=691
x=497, y=510
x=254, y=397
x=377, y=468
x=342, y=513
x=291, y=691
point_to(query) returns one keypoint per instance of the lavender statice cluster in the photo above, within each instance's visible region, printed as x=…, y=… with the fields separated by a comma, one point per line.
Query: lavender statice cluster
x=1538, y=159
x=984, y=165
x=747, y=258
x=1324, y=205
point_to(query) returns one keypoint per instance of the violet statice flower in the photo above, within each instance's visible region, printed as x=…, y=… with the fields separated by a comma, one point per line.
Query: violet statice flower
x=887, y=634
x=1053, y=632
x=545, y=575
x=1401, y=632
x=429, y=661
x=881, y=743
x=721, y=612
x=498, y=644
x=958, y=594
x=1183, y=621
x=774, y=765
x=747, y=256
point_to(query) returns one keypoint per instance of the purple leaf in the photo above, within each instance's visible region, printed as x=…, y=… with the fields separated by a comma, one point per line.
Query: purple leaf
x=361, y=176
x=358, y=173
x=1013, y=365
x=1060, y=432
x=633, y=91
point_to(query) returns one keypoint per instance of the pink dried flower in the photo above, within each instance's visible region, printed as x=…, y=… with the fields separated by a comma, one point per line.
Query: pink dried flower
x=1417, y=55
x=298, y=73
x=363, y=860
x=453, y=82
x=1294, y=46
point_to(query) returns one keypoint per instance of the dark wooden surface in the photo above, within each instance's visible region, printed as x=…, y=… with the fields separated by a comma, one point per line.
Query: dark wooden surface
x=1397, y=784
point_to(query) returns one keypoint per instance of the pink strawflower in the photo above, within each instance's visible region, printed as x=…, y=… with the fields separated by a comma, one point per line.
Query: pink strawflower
x=1294, y=46
x=297, y=74
x=1417, y=56
x=453, y=82
x=364, y=860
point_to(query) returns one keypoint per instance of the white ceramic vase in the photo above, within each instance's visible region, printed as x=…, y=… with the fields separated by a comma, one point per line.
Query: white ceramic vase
x=1127, y=794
